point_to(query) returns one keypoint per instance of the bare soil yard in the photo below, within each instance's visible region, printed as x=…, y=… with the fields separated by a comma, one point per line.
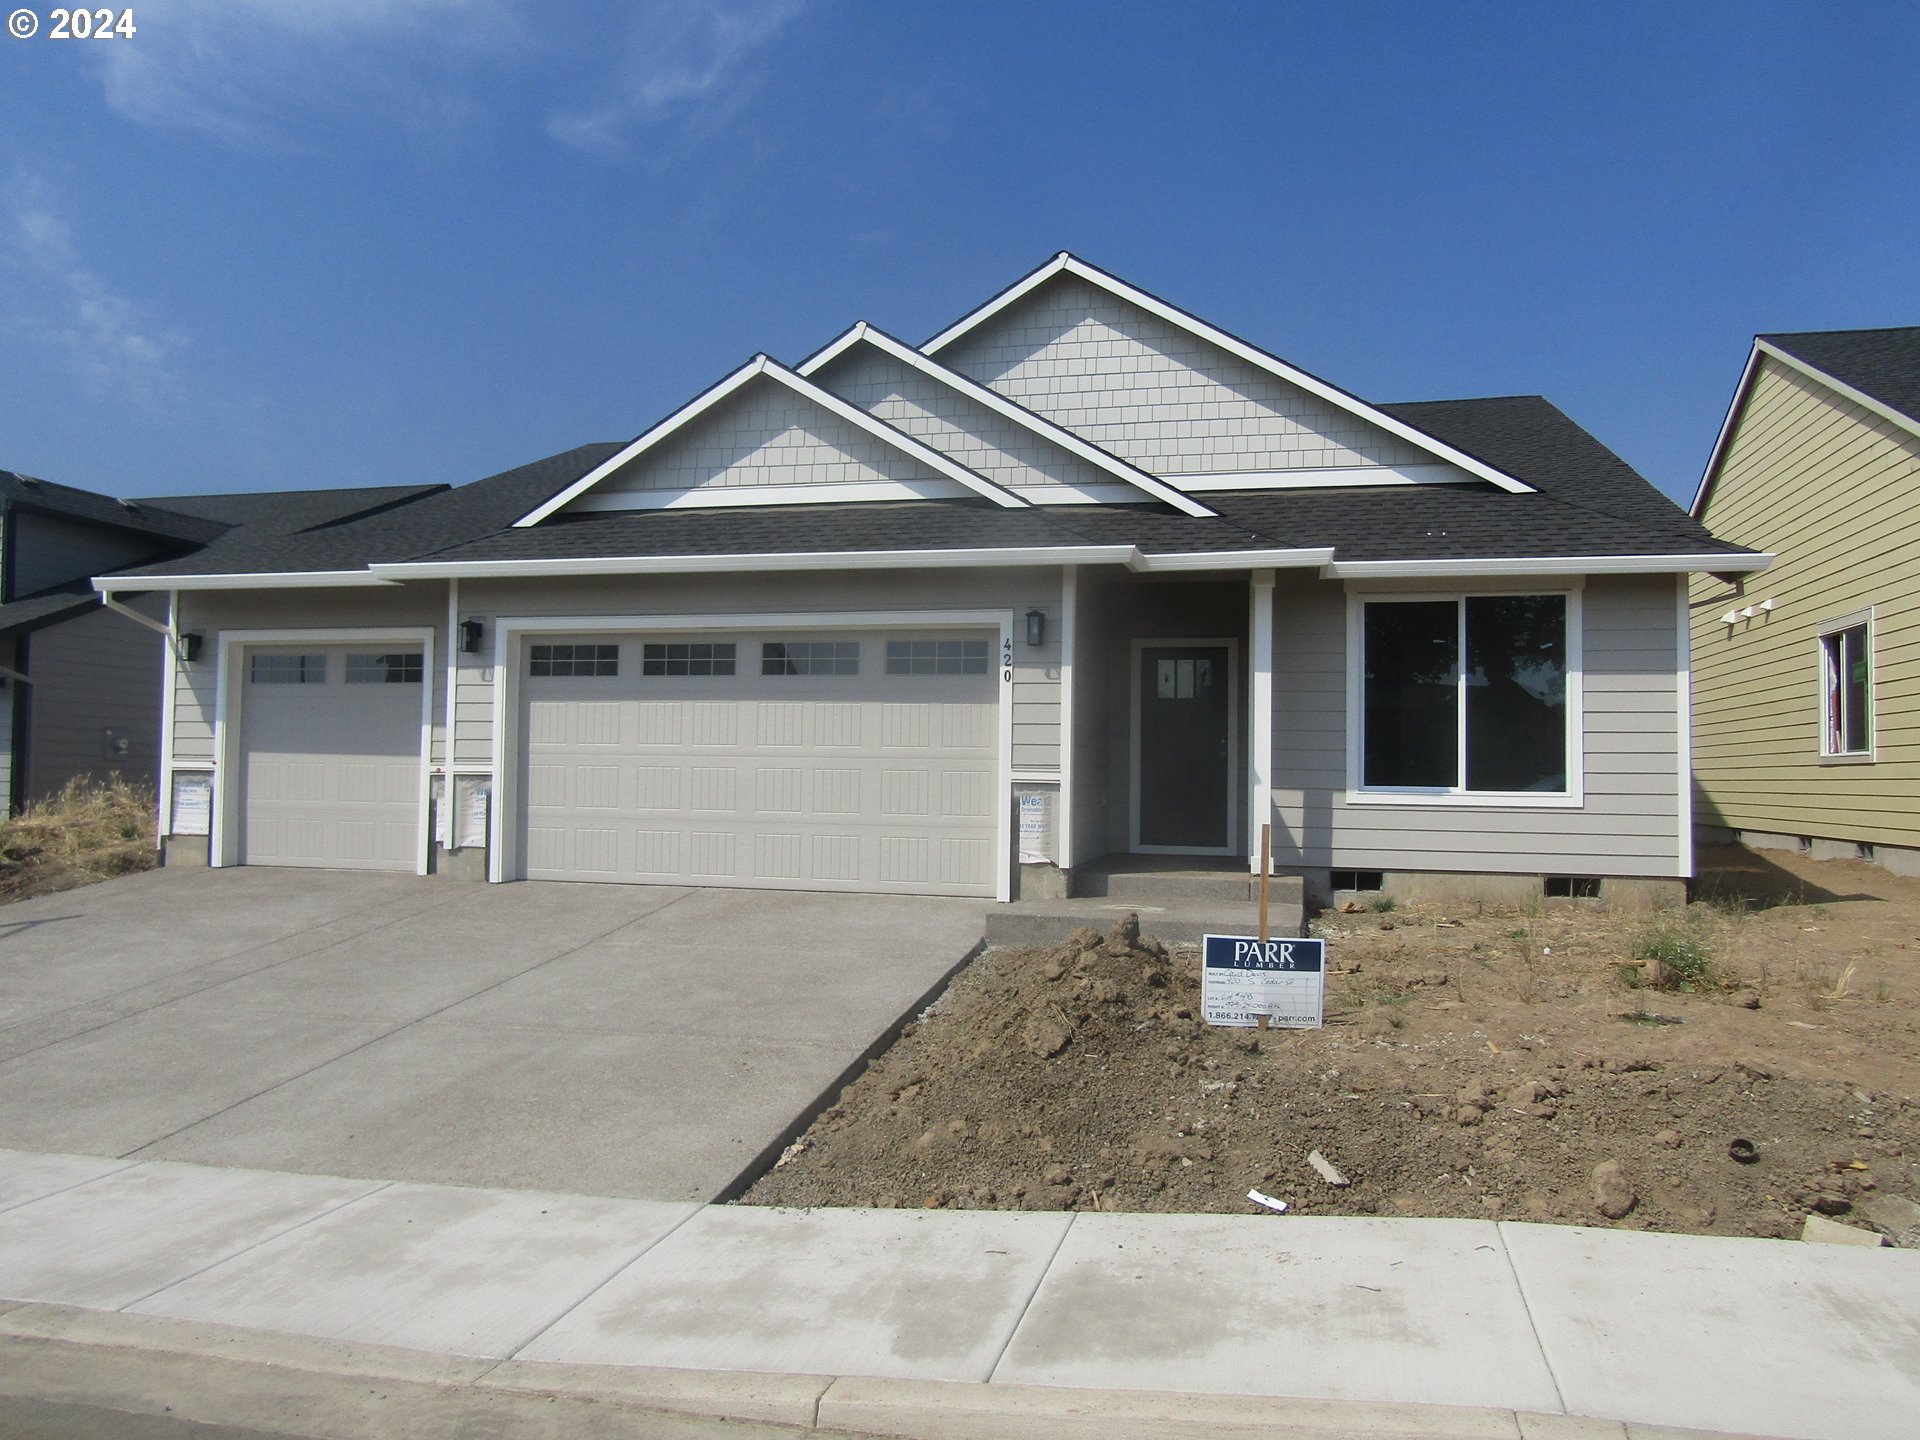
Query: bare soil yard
x=1475, y=1062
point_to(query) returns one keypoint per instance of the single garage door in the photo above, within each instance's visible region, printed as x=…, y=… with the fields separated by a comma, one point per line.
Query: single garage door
x=330, y=757
x=808, y=761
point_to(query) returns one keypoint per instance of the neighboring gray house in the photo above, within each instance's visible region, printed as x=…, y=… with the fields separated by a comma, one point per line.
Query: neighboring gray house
x=80, y=685
x=79, y=693
x=1081, y=577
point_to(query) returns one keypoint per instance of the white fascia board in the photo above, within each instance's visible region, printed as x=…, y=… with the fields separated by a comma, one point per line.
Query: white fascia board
x=1239, y=560
x=292, y=580
x=1327, y=477
x=1726, y=431
x=695, y=407
x=734, y=497
x=1259, y=358
x=799, y=560
x=1039, y=425
x=1547, y=565
x=756, y=368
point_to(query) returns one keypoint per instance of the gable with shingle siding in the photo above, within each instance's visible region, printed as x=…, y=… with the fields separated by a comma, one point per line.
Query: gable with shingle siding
x=766, y=435
x=1157, y=395
x=936, y=414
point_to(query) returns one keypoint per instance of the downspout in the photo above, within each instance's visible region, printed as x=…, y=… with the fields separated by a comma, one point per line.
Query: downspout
x=120, y=607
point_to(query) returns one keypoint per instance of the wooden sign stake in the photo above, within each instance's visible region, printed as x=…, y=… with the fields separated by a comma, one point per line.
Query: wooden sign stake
x=1266, y=842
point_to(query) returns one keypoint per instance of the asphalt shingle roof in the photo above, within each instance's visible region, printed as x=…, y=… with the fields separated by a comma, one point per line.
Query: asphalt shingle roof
x=36, y=612
x=1882, y=363
x=144, y=517
x=1589, y=502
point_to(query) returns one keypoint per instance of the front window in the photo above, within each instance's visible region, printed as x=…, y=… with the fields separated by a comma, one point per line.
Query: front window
x=1465, y=695
x=1846, y=691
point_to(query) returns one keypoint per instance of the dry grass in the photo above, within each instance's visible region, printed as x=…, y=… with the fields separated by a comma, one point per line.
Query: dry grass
x=92, y=830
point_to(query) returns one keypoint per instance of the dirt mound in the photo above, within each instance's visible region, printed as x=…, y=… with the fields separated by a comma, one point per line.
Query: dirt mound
x=1457, y=1076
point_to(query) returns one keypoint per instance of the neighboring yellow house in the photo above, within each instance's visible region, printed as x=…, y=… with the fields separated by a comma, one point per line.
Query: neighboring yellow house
x=1806, y=676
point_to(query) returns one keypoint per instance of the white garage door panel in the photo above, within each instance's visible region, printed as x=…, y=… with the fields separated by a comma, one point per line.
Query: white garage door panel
x=330, y=771
x=852, y=782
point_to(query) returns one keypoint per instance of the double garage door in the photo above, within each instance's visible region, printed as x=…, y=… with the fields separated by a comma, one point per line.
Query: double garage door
x=800, y=761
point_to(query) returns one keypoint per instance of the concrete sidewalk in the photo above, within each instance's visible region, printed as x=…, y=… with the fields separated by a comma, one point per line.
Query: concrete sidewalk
x=968, y=1323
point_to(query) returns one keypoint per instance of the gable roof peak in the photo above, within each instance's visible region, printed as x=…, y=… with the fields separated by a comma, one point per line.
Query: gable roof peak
x=1067, y=263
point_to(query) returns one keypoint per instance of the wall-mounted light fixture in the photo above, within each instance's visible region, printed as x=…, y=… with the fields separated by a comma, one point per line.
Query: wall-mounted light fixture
x=1036, y=627
x=470, y=637
x=190, y=643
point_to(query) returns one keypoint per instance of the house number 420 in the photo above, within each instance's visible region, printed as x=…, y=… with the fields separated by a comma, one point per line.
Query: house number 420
x=1006, y=658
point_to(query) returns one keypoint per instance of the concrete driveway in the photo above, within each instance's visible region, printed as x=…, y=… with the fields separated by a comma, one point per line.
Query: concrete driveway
x=608, y=1040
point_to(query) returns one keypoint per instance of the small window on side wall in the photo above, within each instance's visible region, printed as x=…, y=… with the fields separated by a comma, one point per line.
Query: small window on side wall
x=1846, y=691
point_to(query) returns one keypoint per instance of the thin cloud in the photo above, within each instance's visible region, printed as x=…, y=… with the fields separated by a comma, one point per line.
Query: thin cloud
x=686, y=57
x=239, y=70
x=108, y=341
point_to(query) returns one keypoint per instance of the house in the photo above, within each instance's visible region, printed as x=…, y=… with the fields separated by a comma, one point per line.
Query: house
x=78, y=690
x=1082, y=576
x=80, y=684
x=1807, y=681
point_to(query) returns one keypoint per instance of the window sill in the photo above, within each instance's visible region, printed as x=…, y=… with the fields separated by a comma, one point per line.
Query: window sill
x=1475, y=799
x=1865, y=757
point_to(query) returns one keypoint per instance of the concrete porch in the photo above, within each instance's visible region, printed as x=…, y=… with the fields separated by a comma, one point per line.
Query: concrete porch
x=1178, y=898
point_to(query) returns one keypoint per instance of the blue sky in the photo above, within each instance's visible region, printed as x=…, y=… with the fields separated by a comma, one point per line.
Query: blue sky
x=290, y=243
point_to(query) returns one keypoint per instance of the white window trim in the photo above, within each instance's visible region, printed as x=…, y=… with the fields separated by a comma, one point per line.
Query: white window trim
x=504, y=860
x=1573, y=798
x=1234, y=797
x=1826, y=628
x=229, y=681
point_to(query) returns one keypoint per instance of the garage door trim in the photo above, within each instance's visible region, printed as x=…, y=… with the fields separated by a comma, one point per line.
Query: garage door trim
x=230, y=683
x=510, y=631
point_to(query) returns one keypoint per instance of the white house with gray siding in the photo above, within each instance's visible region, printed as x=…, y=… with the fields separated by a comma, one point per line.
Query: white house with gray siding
x=1081, y=577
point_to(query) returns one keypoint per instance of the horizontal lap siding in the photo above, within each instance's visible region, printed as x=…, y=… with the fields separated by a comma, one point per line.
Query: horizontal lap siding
x=416, y=606
x=97, y=674
x=1628, y=823
x=1831, y=489
x=1036, y=676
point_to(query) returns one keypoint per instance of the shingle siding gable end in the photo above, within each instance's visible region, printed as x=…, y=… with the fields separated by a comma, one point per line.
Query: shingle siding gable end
x=1157, y=395
x=768, y=436
x=968, y=431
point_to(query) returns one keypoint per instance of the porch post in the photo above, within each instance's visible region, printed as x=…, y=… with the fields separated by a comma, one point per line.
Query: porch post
x=1259, y=710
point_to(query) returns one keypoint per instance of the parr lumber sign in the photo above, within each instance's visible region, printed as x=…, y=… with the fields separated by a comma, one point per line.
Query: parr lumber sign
x=1243, y=979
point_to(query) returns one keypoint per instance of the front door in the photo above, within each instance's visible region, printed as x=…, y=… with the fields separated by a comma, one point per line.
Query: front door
x=1185, y=729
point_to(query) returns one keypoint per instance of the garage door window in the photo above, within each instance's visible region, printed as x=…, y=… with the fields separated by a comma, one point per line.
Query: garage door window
x=694, y=657
x=395, y=669
x=936, y=657
x=561, y=660
x=287, y=669
x=810, y=657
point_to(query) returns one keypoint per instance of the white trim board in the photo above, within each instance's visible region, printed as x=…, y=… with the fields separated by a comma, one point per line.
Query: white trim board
x=1067, y=263
x=223, y=848
x=1129, y=474
x=1331, y=477
x=1129, y=556
x=504, y=860
x=1571, y=565
x=765, y=367
x=289, y=580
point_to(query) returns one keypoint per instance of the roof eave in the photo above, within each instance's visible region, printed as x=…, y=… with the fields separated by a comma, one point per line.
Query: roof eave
x=1695, y=562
